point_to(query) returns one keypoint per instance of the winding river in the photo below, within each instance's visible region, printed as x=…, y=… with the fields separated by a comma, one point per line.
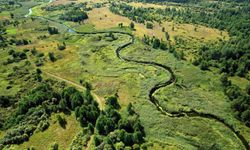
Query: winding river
x=169, y=81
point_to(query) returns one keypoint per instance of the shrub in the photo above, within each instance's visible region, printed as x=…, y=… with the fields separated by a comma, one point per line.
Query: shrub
x=53, y=30
x=52, y=57
x=74, y=15
x=112, y=101
x=62, y=122
x=248, y=89
x=132, y=25
x=149, y=25
x=54, y=146
x=61, y=46
x=43, y=125
x=204, y=65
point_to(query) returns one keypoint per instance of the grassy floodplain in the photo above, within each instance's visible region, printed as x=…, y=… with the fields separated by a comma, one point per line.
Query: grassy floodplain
x=92, y=58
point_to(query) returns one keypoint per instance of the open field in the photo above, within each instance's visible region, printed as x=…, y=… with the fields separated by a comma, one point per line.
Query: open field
x=54, y=134
x=90, y=2
x=146, y=5
x=102, y=18
x=151, y=5
x=195, y=89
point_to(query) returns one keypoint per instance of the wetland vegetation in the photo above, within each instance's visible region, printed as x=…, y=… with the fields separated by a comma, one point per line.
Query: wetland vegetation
x=133, y=74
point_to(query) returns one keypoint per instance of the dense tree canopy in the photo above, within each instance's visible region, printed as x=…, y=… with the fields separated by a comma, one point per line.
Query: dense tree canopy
x=74, y=15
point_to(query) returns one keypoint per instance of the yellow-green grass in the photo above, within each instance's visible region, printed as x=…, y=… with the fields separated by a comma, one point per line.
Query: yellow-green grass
x=241, y=82
x=4, y=15
x=102, y=18
x=146, y=5
x=54, y=134
x=95, y=61
x=151, y=5
x=195, y=35
x=37, y=11
x=109, y=75
x=98, y=64
x=197, y=89
x=63, y=2
x=11, y=31
x=5, y=70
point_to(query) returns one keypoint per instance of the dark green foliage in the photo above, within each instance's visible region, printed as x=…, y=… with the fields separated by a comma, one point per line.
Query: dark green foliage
x=74, y=15
x=34, y=51
x=113, y=114
x=52, y=57
x=120, y=25
x=130, y=109
x=4, y=101
x=224, y=80
x=43, y=125
x=149, y=25
x=63, y=105
x=233, y=92
x=132, y=25
x=16, y=136
x=36, y=107
x=245, y=116
x=12, y=15
x=196, y=62
x=38, y=71
x=54, y=146
x=16, y=57
x=26, y=50
x=248, y=89
x=87, y=114
x=62, y=122
x=118, y=131
x=19, y=42
x=167, y=36
x=72, y=98
x=53, y=30
x=163, y=45
x=61, y=46
x=86, y=109
x=97, y=140
x=104, y=125
x=38, y=77
x=112, y=101
x=232, y=56
x=91, y=128
x=204, y=65
x=240, y=100
x=156, y=43
x=65, y=7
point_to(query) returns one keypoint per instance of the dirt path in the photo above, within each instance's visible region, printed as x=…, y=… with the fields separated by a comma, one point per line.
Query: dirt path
x=99, y=99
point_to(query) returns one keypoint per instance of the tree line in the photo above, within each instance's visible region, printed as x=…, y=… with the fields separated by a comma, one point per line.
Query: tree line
x=240, y=99
x=110, y=128
x=230, y=56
